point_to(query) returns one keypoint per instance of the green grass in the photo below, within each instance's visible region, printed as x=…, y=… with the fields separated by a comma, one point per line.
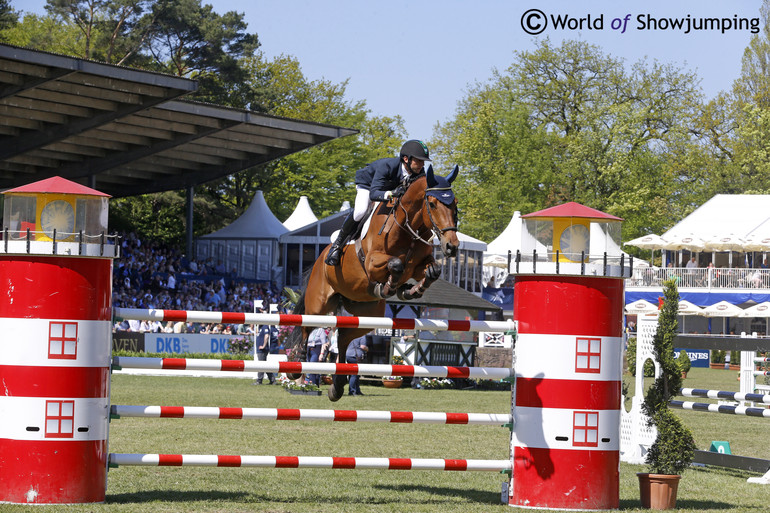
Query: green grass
x=164, y=489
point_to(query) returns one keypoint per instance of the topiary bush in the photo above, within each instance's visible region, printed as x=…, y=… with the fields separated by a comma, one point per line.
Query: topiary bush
x=674, y=446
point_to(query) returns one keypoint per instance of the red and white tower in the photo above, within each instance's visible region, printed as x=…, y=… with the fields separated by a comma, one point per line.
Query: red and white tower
x=568, y=304
x=55, y=320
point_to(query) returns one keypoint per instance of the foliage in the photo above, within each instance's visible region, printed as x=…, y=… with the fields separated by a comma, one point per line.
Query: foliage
x=683, y=361
x=570, y=123
x=674, y=446
x=649, y=367
x=292, y=297
x=717, y=356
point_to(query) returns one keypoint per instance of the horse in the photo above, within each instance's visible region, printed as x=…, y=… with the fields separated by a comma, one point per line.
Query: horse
x=396, y=247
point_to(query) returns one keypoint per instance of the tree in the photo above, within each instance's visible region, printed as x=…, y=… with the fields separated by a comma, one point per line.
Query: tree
x=323, y=173
x=569, y=123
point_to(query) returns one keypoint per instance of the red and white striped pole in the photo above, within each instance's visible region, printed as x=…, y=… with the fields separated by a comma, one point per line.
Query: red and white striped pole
x=214, y=460
x=395, y=417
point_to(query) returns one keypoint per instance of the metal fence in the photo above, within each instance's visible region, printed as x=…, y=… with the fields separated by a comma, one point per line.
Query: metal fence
x=707, y=278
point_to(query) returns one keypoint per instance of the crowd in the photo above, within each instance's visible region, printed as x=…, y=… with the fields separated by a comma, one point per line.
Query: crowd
x=150, y=275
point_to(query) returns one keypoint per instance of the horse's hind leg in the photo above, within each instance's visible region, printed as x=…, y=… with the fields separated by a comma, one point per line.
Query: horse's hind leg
x=345, y=335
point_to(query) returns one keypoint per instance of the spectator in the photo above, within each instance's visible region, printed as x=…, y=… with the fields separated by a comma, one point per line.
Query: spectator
x=356, y=353
x=315, y=341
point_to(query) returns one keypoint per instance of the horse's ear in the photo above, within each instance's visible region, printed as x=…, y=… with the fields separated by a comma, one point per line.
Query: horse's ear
x=429, y=176
x=453, y=174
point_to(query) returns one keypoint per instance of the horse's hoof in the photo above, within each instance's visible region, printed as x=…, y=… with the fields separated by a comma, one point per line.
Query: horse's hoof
x=293, y=376
x=333, y=395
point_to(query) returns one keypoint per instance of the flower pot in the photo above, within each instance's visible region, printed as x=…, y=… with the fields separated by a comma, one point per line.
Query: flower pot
x=658, y=491
x=327, y=380
x=392, y=383
x=304, y=392
x=684, y=374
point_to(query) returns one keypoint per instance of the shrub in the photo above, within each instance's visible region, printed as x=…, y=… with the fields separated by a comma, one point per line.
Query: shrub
x=683, y=362
x=674, y=446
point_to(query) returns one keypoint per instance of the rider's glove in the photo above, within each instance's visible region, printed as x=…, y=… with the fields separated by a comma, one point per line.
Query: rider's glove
x=400, y=190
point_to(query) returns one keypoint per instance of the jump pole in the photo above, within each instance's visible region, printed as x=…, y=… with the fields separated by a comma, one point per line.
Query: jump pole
x=347, y=369
x=205, y=460
x=311, y=321
x=395, y=417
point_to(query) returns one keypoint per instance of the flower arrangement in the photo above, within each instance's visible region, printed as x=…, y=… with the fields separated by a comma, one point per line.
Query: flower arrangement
x=290, y=384
x=396, y=360
x=436, y=383
x=240, y=345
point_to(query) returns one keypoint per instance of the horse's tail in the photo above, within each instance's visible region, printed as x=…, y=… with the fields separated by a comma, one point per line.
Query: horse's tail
x=295, y=341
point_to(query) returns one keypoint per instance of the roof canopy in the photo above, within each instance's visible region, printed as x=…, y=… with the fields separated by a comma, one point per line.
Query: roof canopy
x=257, y=222
x=123, y=131
x=56, y=185
x=572, y=209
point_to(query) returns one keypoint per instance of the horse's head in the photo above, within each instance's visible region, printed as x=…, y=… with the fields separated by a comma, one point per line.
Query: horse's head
x=441, y=209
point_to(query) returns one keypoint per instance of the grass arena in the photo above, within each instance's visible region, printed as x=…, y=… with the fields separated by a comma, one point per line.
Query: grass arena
x=153, y=489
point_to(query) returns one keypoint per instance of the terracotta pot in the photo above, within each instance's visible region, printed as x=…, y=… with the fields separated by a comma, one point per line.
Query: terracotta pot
x=658, y=491
x=392, y=383
x=684, y=374
x=327, y=380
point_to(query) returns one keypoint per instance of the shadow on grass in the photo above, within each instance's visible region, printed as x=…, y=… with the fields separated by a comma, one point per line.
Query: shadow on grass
x=477, y=496
x=174, y=496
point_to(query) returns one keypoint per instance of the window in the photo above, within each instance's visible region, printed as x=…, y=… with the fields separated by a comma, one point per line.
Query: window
x=63, y=340
x=588, y=355
x=59, y=419
x=585, y=429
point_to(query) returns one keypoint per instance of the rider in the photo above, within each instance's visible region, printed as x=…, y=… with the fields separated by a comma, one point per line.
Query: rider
x=377, y=182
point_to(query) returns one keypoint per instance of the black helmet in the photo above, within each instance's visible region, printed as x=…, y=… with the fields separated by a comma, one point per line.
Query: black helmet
x=416, y=149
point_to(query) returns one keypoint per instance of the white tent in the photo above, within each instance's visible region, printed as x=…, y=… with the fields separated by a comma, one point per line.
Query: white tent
x=496, y=255
x=249, y=244
x=509, y=239
x=302, y=216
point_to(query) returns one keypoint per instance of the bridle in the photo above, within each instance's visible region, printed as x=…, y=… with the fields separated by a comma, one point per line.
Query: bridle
x=438, y=232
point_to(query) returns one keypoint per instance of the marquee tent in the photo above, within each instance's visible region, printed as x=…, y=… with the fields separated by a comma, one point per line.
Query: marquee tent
x=302, y=216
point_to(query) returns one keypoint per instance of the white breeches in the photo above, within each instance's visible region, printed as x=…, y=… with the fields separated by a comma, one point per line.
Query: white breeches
x=362, y=203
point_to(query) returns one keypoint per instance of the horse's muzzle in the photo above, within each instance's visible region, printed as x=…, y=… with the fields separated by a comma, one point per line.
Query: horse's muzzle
x=449, y=249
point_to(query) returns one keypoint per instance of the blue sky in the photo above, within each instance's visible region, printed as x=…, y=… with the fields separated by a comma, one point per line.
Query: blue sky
x=416, y=58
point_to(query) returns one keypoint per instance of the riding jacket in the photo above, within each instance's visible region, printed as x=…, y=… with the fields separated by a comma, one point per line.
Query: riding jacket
x=380, y=176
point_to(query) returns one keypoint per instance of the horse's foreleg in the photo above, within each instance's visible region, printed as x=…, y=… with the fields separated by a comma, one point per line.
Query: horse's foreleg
x=388, y=288
x=432, y=273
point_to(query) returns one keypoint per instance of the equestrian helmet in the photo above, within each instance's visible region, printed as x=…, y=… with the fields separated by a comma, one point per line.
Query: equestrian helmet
x=415, y=149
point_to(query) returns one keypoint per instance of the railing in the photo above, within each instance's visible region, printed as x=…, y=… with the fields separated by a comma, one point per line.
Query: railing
x=705, y=278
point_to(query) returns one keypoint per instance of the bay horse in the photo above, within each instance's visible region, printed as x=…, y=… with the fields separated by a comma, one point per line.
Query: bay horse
x=396, y=247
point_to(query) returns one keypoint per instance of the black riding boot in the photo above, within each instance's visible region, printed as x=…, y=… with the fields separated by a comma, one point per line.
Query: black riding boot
x=335, y=252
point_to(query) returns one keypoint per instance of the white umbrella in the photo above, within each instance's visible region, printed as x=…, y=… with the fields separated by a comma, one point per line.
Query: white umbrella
x=687, y=308
x=756, y=242
x=640, y=307
x=729, y=242
x=684, y=241
x=651, y=242
x=759, y=310
x=722, y=309
x=496, y=261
